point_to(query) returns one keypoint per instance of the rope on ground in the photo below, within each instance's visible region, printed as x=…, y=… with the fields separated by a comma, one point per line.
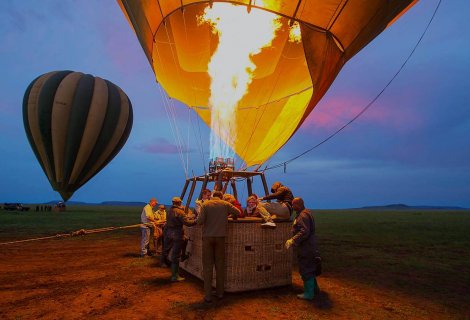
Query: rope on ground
x=80, y=232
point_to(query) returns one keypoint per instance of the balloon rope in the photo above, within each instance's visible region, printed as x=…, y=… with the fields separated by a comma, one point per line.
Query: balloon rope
x=80, y=232
x=282, y=164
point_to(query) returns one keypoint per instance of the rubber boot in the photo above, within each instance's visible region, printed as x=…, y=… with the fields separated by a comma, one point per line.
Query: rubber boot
x=309, y=289
x=174, y=273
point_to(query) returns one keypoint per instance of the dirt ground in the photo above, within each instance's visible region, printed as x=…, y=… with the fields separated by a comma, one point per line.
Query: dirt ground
x=102, y=276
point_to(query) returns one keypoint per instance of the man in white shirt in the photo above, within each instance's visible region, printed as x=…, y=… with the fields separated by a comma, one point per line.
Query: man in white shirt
x=146, y=228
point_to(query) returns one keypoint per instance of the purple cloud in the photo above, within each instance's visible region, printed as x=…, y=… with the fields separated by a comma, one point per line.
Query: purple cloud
x=163, y=146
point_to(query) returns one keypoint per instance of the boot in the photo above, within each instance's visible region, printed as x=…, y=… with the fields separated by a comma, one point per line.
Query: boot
x=309, y=289
x=174, y=273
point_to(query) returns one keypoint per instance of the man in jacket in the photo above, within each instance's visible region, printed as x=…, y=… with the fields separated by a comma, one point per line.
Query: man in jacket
x=303, y=231
x=173, y=236
x=147, y=227
x=213, y=218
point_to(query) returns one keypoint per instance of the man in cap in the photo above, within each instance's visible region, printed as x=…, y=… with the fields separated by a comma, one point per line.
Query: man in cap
x=173, y=236
x=147, y=220
x=213, y=218
x=303, y=231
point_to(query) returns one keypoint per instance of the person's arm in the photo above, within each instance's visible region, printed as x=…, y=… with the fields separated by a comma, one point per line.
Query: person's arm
x=303, y=224
x=233, y=211
x=202, y=215
x=274, y=195
x=149, y=213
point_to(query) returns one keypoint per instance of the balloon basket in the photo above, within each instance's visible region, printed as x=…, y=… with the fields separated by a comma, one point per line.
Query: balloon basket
x=255, y=258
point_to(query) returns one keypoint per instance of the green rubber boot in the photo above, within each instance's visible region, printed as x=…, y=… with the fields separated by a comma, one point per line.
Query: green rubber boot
x=309, y=289
x=174, y=273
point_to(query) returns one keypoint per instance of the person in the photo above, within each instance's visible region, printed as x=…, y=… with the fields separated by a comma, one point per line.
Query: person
x=213, y=219
x=173, y=236
x=230, y=198
x=284, y=196
x=147, y=226
x=303, y=238
x=280, y=193
x=206, y=195
x=255, y=209
x=160, y=219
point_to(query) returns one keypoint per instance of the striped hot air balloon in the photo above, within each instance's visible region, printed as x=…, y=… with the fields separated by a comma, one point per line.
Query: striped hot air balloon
x=76, y=124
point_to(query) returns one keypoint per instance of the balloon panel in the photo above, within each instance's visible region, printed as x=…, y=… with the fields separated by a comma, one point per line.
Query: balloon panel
x=279, y=92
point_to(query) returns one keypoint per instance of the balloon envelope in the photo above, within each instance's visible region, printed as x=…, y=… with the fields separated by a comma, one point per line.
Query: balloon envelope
x=76, y=124
x=290, y=78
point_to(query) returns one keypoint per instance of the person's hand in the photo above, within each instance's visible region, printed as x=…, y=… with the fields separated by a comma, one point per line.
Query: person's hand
x=289, y=243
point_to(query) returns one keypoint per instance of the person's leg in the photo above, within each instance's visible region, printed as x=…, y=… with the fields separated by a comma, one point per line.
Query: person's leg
x=307, y=271
x=175, y=259
x=220, y=266
x=144, y=240
x=167, y=244
x=207, y=265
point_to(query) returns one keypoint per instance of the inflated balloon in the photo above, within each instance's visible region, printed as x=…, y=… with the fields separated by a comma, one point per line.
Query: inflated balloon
x=288, y=73
x=76, y=124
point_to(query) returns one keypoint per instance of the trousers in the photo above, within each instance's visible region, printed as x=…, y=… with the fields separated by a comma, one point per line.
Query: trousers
x=213, y=254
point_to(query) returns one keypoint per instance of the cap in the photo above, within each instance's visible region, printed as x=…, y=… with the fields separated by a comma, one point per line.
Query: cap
x=153, y=200
x=176, y=200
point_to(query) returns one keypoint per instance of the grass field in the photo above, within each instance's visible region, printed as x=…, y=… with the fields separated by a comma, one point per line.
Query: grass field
x=423, y=253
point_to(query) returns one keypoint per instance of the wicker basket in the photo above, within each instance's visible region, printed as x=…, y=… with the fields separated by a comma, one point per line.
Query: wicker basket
x=255, y=258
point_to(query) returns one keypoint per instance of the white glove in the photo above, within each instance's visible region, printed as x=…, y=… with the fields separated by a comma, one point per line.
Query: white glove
x=289, y=243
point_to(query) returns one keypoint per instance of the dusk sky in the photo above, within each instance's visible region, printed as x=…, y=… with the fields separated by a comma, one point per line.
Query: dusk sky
x=412, y=146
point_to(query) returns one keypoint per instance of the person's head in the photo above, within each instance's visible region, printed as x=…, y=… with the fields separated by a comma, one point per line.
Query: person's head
x=217, y=194
x=229, y=198
x=276, y=185
x=251, y=202
x=298, y=204
x=161, y=207
x=176, y=201
x=153, y=202
x=206, y=194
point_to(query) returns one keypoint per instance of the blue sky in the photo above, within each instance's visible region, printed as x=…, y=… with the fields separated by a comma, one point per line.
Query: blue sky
x=411, y=147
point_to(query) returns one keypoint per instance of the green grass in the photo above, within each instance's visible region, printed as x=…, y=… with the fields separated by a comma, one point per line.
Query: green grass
x=425, y=252
x=31, y=223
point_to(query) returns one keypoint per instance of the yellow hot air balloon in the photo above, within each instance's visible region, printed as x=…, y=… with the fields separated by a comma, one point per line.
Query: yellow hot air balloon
x=76, y=124
x=199, y=48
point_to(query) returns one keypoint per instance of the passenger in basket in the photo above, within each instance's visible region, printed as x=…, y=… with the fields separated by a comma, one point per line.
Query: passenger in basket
x=160, y=219
x=147, y=227
x=206, y=195
x=231, y=199
x=255, y=209
x=213, y=219
x=173, y=236
x=303, y=231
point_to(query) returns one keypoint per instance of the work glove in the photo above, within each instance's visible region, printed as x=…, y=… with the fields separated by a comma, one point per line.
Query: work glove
x=289, y=243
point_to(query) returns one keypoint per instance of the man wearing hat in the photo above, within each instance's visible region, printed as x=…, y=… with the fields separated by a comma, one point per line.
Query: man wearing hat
x=146, y=228
x=173, y=236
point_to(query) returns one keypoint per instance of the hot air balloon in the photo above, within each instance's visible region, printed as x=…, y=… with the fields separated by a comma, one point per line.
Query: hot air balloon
x=76, y=124
x=188, y=46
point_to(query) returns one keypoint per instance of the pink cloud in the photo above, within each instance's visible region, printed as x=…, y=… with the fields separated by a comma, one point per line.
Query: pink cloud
x=161, y=146
x=335, y=112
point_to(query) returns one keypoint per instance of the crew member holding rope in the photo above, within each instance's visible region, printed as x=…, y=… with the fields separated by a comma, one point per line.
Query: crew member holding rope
x=147, y=227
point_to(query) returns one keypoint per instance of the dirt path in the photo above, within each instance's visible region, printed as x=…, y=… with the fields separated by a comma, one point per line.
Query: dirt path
x=100, y=276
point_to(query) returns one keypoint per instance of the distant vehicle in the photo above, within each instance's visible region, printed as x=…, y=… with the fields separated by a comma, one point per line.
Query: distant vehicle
x=60, y=206
x=15, y=207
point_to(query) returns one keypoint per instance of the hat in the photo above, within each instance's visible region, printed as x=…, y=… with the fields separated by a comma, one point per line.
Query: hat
x=161, y=206
x=153, y=200
x=176, y=200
